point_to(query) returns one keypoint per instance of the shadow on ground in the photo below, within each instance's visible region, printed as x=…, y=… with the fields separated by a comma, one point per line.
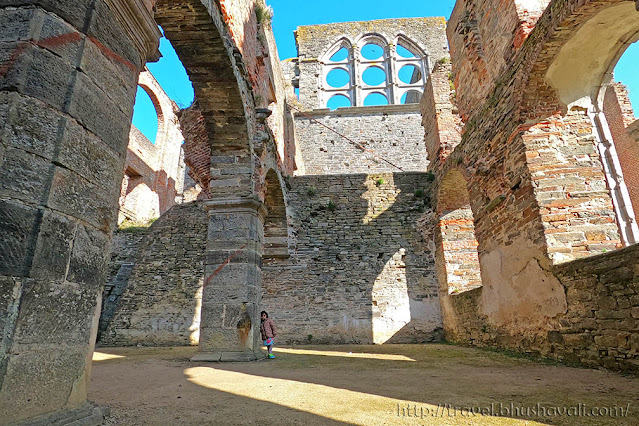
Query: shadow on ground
x=368, y=385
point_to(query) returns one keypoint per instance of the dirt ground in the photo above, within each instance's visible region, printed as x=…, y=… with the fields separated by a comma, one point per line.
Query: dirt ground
x=363, y=385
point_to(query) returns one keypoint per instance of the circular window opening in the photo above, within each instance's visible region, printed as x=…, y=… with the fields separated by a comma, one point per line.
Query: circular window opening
x=411, y=97
x=338, y=78
x=410, y=74
x=374, y=76
x=338, y=101
x=372, y=51
x=375, y=99
x=340, y=55
x=404, y=52
x=145, y=116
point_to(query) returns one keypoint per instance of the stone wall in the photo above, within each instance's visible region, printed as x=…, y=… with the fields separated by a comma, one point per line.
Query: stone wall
x=391, y=132
x=153, y=292
x=68, y=74
x=541, y=186
x=599, y=327
x=361, y=268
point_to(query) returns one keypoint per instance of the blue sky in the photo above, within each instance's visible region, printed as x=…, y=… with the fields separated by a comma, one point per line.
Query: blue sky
x=289, y=14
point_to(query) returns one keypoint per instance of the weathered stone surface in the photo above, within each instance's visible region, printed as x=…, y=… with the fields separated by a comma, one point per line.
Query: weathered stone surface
x=17, y=222
x=361, y=272
x=375, y=134
x=154, y=289
x=59, y=187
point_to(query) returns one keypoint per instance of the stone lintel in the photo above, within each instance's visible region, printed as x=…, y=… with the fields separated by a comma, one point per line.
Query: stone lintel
x=238, y=205
x=142, y=28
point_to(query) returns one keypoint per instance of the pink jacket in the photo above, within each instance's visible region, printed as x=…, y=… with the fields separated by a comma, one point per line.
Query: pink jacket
x=267, y=328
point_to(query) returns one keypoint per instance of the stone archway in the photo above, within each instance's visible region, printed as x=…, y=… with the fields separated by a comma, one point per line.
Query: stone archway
x=230, y=299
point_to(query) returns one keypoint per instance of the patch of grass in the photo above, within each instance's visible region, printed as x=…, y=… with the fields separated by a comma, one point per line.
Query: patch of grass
x=419, y=193
x=264, y=14
x=311, y=191
x=379, y=181
x=134, y=226
x=430, y=176
x=331, y=205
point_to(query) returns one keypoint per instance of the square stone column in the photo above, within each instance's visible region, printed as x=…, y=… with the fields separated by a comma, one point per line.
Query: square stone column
x=229, y=328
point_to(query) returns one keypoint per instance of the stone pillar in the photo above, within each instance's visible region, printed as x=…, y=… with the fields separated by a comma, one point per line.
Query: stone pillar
x=229, y=328
x=68, y=74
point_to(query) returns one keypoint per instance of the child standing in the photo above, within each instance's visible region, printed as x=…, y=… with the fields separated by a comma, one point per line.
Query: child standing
x=267, y=328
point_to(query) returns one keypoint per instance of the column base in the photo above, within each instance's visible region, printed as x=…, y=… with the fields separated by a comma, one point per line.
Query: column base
x=228, y=356
x=88, y=414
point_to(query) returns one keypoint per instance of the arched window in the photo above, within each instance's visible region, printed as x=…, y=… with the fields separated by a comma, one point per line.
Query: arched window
x=337, y=78
x=373, y=72
x=412, y=68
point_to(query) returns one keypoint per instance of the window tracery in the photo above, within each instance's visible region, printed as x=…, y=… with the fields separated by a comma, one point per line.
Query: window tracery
x=372, y=72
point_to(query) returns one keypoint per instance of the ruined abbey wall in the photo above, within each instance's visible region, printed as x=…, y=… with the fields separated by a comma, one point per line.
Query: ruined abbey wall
x=547, y=202
x=376, y=136
x=154, y=171
x=153, y=292
x=361, y=269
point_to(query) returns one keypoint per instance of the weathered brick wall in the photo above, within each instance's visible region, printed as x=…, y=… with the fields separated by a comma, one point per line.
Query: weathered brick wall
x=154, y=172
x=620, y=116
x=571, y=188
x=390, y=132
x=530, y=156
x=600, y=325
x=157, y=300
x=484, y=36
x=440, y=117
x=363, y=272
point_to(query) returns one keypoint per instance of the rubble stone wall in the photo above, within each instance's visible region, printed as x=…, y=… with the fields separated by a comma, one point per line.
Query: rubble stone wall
x=361, y=268
x=393, y=133
x=154, y=289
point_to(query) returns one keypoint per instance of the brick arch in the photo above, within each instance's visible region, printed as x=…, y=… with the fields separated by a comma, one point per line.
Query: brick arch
x=570, y=55
x=214, y=65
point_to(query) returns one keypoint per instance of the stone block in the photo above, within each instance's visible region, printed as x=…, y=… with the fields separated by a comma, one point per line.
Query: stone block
x=90, y=157
x=59, y=37
x=25, y=176
x=82, y=199
x=116, y=80
x=54, y=314
x=74, y=12
x=89, y=257
x=15, y=24
x=53, y=248
x=107, y=30
x=17, y=225
x=36, y=72
x=10, y=288
x=38, y=382
x=99, y=114
x=31, y=125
